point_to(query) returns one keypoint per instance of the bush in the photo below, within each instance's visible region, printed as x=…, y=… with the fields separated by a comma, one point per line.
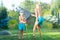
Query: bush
x=46, y=25
x=12, y=24
x=56, y=26
x=3, y=13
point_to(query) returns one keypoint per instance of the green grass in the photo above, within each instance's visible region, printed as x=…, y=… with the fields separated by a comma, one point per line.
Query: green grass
x=46, y=35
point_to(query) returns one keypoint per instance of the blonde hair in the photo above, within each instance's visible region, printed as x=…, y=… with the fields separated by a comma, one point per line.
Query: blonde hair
x=37, y=3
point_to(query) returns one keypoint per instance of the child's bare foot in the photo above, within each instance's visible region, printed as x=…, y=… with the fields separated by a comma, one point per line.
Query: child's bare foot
x=34, y=37
x=22, y=38
x=19, y=37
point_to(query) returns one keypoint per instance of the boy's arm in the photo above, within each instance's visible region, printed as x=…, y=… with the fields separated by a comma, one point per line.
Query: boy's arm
x=32, y=15
x=35, y=15
x=24, y=19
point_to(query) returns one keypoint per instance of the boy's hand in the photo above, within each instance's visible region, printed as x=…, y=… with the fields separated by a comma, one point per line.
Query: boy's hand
x=32, y=15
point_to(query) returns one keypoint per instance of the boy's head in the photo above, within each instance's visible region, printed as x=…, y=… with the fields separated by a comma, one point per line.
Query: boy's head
x=37, y=4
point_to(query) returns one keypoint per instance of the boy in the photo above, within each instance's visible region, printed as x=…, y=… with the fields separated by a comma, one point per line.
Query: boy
x=21, y=25
x=39, y=19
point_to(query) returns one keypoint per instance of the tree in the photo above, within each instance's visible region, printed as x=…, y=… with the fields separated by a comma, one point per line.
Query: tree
x=3, y=18
x=45, y=8
x=28, y=5
x=55, y=7
x=3, y=13
x=14, y=15
x=14, y=19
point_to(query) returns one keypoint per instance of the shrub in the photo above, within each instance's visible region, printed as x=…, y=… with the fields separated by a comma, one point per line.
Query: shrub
x=3, y=13
x=12, y=24
x=46, y=25
x=57, y=26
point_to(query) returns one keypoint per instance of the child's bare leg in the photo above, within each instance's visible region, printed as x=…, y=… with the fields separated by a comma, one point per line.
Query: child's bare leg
x=19, y=34
x=34, y=29
x=22, y=34
x=38, y=27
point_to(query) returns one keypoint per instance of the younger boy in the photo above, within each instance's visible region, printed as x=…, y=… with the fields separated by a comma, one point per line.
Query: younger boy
x=21, y=25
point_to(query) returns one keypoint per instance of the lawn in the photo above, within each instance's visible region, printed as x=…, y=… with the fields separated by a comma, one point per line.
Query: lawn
x=47, y=35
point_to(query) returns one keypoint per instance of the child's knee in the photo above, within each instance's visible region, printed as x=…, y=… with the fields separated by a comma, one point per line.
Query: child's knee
x=34, y=29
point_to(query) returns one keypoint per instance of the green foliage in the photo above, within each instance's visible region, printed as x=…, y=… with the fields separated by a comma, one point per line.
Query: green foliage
x=46, y=25
x=31, y=22
x=28, y=5
x=13, y=14
x=57, y=26
x=45, y=8
x=5, y=27
x=55, y=7
x=3, y=13
x=12, y=24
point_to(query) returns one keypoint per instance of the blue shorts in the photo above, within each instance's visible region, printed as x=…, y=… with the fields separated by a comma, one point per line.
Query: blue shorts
x=40, y=20
x=21, y=26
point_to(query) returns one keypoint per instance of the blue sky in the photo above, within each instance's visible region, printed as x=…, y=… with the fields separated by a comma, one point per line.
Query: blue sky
x=8, y=3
